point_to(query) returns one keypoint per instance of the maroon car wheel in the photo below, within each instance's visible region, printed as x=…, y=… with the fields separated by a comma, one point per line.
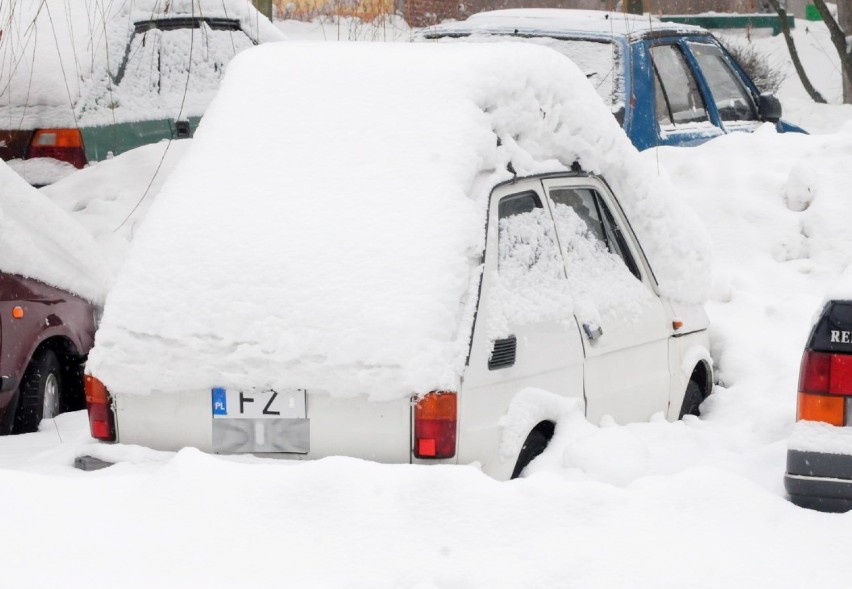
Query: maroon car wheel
x=40, y=392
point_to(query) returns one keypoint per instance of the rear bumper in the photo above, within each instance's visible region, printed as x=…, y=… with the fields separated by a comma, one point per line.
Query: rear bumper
x=818, y=480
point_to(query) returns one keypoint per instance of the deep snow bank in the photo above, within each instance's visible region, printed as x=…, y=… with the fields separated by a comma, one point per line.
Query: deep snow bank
x=39, y=240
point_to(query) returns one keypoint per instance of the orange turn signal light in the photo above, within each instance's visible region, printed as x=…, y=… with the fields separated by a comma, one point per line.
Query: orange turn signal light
x=824, y=408
x=57, y=138
x=18, y=312
x=96, y=392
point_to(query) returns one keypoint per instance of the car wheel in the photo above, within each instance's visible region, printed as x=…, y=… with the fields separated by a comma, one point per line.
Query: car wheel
x=40, y=393
x=692, y=400
x=534, y=445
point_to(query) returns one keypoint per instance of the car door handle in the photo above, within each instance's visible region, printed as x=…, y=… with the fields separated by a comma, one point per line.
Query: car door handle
x=592, y=333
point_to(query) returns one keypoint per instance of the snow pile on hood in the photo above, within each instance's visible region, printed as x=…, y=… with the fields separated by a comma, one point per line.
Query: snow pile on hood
x=61, y=62
x=331, y=236
x=40, y=241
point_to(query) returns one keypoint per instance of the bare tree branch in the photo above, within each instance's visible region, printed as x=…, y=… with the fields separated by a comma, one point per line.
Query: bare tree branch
x=838, y=39
x=794, y=54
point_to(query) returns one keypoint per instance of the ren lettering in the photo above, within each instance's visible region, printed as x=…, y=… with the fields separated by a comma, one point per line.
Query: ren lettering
x=841, y=337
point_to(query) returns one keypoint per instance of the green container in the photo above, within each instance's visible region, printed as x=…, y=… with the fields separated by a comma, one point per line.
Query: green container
x=811, y=12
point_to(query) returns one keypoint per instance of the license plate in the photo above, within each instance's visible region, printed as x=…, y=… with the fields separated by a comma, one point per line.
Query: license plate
x=259, y=404
x=260, y=421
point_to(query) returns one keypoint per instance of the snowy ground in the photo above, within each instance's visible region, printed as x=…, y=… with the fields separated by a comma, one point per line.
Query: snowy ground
x=692, y=504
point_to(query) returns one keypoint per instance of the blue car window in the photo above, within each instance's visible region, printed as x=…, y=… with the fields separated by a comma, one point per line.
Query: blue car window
x=732, y=100
x=678, y=100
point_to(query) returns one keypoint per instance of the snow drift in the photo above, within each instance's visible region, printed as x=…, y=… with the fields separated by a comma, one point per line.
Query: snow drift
x=41, y=241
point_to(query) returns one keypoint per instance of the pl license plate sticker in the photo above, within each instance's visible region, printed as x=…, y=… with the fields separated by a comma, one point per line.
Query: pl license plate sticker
x=220, y=401
x=258, y=404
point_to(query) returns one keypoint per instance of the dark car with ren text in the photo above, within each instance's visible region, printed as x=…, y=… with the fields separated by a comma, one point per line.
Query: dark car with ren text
x=819, y=455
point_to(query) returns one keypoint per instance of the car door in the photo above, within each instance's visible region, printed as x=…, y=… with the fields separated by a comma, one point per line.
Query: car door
x=625, y=325
x=681, y=111
x=525, y=334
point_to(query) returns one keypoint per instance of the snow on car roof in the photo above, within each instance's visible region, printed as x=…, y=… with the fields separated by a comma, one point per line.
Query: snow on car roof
x=41, y=241
x=841, y=290
x=555, y=20
x=58, y=59
x=325, y=229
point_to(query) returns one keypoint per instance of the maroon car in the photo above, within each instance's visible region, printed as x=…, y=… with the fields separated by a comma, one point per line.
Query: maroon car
x=45, y=334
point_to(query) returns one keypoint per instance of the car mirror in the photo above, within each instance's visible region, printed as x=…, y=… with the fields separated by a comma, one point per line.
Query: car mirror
x=769, y=107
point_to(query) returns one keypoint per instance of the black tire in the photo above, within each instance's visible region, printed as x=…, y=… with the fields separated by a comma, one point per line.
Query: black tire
x=43, y=375
x=534, y=445
x=692, y=400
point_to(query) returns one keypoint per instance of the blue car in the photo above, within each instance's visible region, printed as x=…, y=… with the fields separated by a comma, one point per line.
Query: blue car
x=666, y=83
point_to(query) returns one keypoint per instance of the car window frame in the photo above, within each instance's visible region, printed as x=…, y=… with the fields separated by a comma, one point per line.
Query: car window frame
x=605, y=193
x=688, y=62
x=742, y=77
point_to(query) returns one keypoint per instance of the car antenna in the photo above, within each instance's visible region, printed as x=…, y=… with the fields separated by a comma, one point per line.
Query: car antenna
x=576, y=167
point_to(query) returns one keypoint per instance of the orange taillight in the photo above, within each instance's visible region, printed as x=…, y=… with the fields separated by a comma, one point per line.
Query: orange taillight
x=825, y=408
x=62, y=144
x=101, y=419
x=435, y=416
x=57, y=138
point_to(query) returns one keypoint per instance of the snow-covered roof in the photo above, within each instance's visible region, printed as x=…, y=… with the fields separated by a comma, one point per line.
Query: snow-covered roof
x=41, y=241
x=556, y=20
x=60, y=60
x=330, y=236
x=842, y=288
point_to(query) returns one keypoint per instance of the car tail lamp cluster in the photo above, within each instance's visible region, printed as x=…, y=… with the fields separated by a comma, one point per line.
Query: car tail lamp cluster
x=825, y=384
x=62, y=144
x=435, y=418
x=101, y=419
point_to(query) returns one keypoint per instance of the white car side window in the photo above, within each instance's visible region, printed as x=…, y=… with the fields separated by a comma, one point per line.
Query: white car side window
x=530, y=285
x=601, y=271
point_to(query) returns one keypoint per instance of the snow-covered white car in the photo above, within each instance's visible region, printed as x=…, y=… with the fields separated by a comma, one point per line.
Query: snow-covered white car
x=404, y=253
x=80, y=82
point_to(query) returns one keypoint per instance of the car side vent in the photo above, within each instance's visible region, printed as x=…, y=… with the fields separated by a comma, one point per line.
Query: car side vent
x=503, y=354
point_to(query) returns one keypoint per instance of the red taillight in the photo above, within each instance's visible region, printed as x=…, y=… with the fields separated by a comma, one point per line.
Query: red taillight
x=435, y=417
x=101, y=421
x=62, y=144
x=824, y=380
x=826, y=374
x=814, y=373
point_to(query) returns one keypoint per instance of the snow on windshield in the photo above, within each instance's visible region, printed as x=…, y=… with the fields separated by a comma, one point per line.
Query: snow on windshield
x=600, y=61
x=39, y=240
x=161, y=64
x=331, y=236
